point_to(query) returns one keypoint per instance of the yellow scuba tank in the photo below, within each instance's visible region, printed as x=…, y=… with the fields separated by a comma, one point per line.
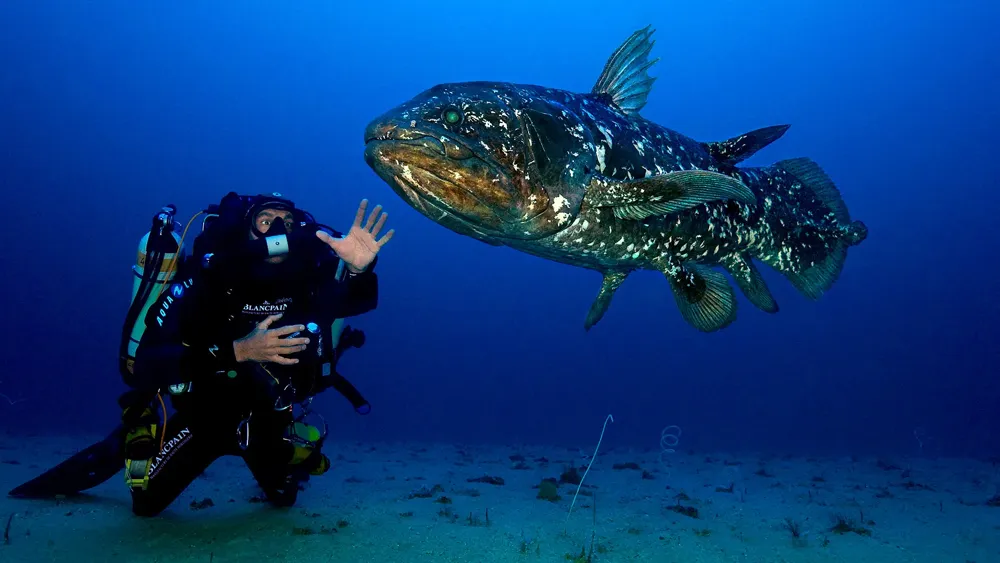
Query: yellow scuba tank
x=160, y=251
x=171, y=251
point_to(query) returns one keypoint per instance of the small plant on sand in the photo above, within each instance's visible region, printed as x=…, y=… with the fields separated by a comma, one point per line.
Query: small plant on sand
x=844, y=524
x=529, y=545
x=794, y=528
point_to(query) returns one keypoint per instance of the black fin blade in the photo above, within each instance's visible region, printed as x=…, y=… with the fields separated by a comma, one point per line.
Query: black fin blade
x=611, y=282
x=736, y=150
x=820, y=277
x=704, y=297
x=814, y=179
x=625, y=79
x=84, y=470
x=667, y=193
x=750, y=282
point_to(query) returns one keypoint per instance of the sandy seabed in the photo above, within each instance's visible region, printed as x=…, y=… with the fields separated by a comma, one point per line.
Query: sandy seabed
x=404, y=502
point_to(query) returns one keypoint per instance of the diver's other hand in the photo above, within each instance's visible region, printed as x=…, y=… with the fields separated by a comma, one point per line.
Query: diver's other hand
x=265, y=344
x=358, y=248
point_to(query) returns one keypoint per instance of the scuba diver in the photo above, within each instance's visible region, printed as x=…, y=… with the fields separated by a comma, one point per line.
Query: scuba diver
x=240, y=337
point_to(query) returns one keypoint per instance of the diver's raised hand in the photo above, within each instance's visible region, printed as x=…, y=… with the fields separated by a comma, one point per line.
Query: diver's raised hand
x=266, y=344
x=358, y=248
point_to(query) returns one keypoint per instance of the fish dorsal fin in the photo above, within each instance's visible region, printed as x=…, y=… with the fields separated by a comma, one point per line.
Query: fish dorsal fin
x=624, y=78
x=736, y=150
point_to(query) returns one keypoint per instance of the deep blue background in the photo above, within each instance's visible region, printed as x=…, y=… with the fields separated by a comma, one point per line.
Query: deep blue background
x=110, y=110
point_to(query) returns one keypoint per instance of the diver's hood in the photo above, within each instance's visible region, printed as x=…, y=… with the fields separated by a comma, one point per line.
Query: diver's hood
x=225, y=247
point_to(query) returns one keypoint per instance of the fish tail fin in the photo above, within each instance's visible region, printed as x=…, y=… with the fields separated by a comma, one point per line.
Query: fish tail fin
x=818, y=276
x=854, y=233
x=812, y=256
x=815, y=180
x=624, y=78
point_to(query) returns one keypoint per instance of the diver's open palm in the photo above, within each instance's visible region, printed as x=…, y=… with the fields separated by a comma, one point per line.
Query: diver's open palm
x=359, y=247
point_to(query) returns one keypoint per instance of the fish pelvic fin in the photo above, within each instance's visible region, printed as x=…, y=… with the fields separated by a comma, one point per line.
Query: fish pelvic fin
x=733, y=151
x=625, y=79
x=704, y=296
x=611, y=282
x=664, y=194
x=750, y=282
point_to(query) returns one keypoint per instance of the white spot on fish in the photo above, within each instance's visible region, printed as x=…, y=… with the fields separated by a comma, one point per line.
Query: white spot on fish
x=600, y=158
x=607, y=135
x=559, y=203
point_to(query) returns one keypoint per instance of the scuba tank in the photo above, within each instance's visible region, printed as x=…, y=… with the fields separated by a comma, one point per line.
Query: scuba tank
x=160, y=253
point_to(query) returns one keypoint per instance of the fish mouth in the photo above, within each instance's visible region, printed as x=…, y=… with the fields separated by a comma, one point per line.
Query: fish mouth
x=416, y=165
x=390, y=131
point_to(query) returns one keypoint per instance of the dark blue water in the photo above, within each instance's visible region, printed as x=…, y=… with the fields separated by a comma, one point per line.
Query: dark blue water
x=109, y=111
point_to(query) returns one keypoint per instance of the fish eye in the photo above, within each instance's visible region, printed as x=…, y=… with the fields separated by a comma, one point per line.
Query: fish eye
x=452, y=116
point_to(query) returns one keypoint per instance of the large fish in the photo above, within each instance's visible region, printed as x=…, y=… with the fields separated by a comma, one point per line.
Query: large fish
x=583, y=179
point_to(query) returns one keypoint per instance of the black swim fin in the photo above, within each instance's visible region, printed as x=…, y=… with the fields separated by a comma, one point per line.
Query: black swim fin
x=87, y=469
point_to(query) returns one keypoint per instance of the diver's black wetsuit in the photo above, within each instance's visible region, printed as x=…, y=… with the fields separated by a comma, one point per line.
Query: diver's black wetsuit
x=189, y=339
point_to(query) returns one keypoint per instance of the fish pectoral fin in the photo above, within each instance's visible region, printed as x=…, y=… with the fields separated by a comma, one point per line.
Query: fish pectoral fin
x=704, y=296
x=625, y=79
x=666, y=193
x=750, y=282
x=736, y=150
x=612, y=280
